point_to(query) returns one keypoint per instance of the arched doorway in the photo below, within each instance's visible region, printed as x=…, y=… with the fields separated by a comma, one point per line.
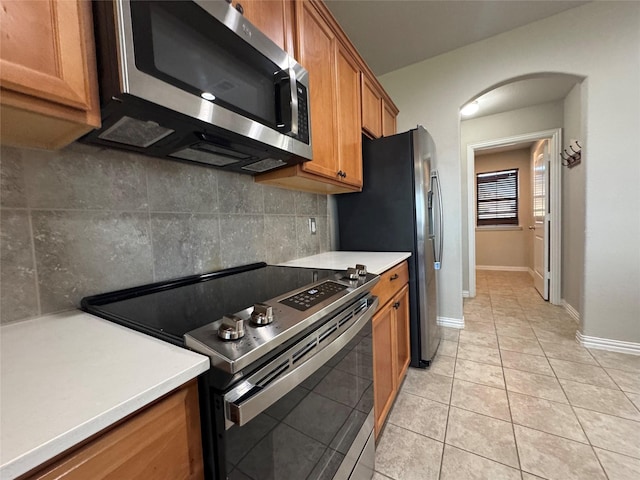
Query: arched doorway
x=516, y=113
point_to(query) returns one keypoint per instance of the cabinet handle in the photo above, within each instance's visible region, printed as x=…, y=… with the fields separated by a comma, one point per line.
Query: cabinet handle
x=393, y=277
x=240, y=8
x=342, y=174
x=396, y=305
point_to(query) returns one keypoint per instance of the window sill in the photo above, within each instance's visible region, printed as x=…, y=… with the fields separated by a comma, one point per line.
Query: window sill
x=498, y=228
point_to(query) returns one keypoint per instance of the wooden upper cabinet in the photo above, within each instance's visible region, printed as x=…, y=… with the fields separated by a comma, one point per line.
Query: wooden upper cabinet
x=343, y=103
x=274, y=18
x=371, y=108
x=334, y=108
x=349, y=124
x=316, y=43
x=389, y=113
x=47, y=72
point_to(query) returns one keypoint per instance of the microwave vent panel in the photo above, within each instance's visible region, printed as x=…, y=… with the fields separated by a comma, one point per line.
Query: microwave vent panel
x=202, y=156
x=264, y=165
x=138, y=133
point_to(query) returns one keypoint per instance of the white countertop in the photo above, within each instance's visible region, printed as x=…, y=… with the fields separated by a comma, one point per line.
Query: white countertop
x=376, y=262
x=68, y=376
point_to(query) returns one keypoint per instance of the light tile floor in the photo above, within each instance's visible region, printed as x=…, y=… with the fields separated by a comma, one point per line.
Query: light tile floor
x=514, y=396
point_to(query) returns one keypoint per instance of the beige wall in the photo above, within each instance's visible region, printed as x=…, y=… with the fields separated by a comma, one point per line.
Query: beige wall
x=599, y=41
x=507, y=247
x=573, y=206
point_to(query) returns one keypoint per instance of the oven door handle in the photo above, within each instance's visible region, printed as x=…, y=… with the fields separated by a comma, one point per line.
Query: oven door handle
x=242, y=411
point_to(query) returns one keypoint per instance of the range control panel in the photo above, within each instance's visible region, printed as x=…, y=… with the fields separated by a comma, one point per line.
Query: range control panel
x=309, y=298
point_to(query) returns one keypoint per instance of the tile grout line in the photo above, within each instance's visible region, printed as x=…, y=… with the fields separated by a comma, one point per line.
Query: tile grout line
x=513, y=427
x=446, y=424
x=32, y=242
x=35, y=260
x=149, y=225
x=577, y=417
x=506, y=390
x=590, y=384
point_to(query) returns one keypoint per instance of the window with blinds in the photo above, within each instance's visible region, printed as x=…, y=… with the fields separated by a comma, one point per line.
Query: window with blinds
x=497, y=198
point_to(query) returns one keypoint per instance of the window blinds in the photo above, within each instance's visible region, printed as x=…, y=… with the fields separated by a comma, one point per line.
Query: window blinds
x=497, y=198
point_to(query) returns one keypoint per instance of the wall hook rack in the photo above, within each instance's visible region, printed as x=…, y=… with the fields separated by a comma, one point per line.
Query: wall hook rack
x=572, y=158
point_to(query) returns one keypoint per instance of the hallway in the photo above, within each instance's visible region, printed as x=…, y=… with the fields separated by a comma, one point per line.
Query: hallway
x=514, y=396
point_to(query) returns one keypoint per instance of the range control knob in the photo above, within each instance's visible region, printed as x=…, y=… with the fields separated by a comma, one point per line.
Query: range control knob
x=362, y=270
x=231, y=328
x=262, y=314
x=351, y=274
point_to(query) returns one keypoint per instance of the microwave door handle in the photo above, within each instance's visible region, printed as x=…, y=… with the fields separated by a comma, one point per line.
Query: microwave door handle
x=293, y=83
x=287, y=102
x=432, y=233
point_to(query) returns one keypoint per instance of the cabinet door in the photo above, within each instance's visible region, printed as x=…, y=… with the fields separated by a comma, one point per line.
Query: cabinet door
x=43, y=51
x=388, y=120
x=401, y=328
x=48, y=72
x=273, y=18
x=383, y=365
x=161, y=442
x=316, y=43
x=371, y=108
x=348, y=107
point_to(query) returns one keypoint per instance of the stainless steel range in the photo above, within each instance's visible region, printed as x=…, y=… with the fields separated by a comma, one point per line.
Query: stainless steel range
x=290, y=391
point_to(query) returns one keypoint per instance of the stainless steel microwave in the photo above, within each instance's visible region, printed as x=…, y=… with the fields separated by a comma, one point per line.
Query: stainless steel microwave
x=196, y=81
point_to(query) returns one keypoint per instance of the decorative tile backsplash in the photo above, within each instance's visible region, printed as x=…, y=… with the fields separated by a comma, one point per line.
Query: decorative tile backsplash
x=86, y=220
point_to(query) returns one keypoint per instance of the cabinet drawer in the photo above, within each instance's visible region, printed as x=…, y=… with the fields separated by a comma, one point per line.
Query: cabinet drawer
x=391, y=282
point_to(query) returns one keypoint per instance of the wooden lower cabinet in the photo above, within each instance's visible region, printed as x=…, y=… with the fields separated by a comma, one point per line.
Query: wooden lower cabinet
x=401, y=328
x=160, y=442
x=391, y=348
x=384, y=380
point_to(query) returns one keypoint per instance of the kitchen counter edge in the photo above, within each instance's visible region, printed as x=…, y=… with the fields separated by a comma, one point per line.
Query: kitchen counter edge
x=376, y=262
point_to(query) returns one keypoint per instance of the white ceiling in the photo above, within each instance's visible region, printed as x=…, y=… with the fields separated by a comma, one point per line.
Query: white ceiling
x=391, y=34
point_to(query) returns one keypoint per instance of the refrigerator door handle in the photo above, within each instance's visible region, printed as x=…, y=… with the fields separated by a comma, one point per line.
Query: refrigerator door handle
x=432, y=232
x=438, y=256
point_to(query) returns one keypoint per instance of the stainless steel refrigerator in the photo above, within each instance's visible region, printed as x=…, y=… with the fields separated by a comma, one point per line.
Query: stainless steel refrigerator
x=400, y=209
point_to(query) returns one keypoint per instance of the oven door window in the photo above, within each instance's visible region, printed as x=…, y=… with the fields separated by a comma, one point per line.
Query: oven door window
x=307, y=433
x=182, y=44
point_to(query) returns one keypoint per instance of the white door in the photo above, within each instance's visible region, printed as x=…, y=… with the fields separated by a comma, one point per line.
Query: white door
x=540, y=176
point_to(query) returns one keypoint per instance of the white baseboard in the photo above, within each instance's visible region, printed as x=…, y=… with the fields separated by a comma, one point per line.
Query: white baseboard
x=465, y=294
x=608, y=344
x=451, y=322
x=502, y=268
x=571, y=311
